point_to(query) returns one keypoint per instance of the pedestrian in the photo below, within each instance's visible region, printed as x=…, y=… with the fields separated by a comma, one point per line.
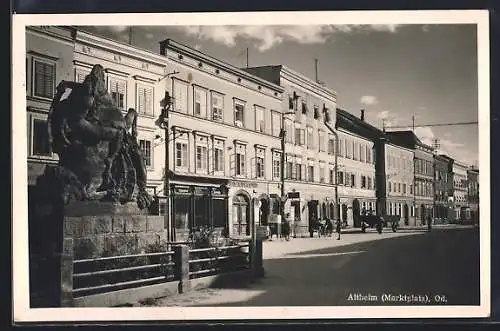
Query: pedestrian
x=339, y=228
x=429, y=223
x=286, y=227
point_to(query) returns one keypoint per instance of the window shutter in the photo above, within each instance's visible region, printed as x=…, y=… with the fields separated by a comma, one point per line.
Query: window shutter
x=141, y=100
x=148, y=102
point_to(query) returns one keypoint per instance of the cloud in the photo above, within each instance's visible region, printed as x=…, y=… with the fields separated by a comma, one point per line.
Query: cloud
x=118, y=28
x=268, y=36
x=383, y=115
x=149, y=35
x=197, y=47
x=368, y=100
x=425, y=134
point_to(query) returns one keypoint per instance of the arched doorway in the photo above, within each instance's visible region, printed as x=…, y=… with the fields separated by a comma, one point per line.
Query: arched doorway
x=355, y=213
x=241, y=214
x=324, y=211
x=312, y=208
x=332, y=211
x=422, y=213
x=264, y=212
x=406, y=214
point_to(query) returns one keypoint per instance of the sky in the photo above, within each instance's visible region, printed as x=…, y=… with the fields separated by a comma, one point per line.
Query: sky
x=394, y=72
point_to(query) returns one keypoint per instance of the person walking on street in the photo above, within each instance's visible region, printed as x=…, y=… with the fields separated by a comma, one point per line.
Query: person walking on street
x=286, y=227
x=339, y=228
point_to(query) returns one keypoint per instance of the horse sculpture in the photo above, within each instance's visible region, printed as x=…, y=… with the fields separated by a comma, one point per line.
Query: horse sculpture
x=99, y=158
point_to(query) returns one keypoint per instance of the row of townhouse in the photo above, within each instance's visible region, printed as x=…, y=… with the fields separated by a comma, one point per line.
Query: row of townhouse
x=230, y=130
x=226, y=125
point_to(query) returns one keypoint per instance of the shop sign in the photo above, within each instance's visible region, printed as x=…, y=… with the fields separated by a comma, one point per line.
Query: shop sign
x=293, y=195
x=244, y=184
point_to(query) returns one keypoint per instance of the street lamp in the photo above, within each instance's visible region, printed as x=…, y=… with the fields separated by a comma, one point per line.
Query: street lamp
x=326, y=121
x=282, y=163
x=163, y=123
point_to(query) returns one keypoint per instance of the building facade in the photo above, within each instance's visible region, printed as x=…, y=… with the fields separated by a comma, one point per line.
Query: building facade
x=457, y=191
x=356, y=170
x=225, y=127
x=441, y=188
x=423, y=165
x=308, y=110
x=399, y=176
x=473, y=193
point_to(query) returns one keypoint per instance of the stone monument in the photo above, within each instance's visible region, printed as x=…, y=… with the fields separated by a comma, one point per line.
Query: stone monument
x=96, y=195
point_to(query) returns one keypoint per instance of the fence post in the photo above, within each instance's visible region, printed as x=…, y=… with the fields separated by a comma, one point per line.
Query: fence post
x=256, y=259
x=181, y=259
x=66, y=294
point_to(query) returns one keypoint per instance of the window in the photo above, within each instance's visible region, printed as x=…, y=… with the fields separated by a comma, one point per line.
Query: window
x=291, y=171
x=290, y=102
x=240, y=157
x=145, y=100
x=321, y=173
x=399, y=187
x=217, y=107
x=260, y=124
x=368, y=155
x=404, y=188
x=310, y=139
x=181, y=155
x=259, y=167
x=310, y=173
x=390, y=187
x=299, y=136
x=40, y=136
x=180, y=96
x=298, y=171
x=363, y=181
x=411, y=189
x=332, y=175
x=276, y=166
x=117, y=88
x=200, y=102
x=340, y=177
x=353, y=180
x=347, y=177
x=145, y=147
x=201, y=157
x=355, y=147
x=44, y=78
x=321, y=141
x=362, y=152
x=218, y=159
x=348, y=148
x=276, y=123
x=369, y=183
x=80, y=75
x=331, y=146
x=304, y=107
x=239, y=113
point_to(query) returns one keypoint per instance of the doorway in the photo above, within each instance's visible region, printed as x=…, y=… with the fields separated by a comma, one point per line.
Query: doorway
x=355, y=213
x=241, y=215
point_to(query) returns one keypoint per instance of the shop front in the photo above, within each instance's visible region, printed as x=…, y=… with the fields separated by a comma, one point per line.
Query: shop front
x=403, y=209
x=197, y=204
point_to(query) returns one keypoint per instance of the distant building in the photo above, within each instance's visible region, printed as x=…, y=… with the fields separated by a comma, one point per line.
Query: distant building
x=49, y=59
x=441, y=188
x=309, y=144
x=356, y=170
x=473, y=193
x=457, y=191
x=423, y=162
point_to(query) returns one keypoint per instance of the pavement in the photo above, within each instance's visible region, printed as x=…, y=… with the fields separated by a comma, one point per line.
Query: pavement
x=442, y=264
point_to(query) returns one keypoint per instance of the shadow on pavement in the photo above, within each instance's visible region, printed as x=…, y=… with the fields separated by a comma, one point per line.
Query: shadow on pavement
x=444, y=263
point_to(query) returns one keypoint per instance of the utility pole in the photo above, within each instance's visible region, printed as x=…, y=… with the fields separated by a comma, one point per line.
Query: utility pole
x=316, y=70
x=247, y=57
x=130, y=35
x=383, y=125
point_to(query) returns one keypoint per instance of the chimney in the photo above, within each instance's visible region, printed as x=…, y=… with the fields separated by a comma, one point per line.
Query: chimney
x=362, y=114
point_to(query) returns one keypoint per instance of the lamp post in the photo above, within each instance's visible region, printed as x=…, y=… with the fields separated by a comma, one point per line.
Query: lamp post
x=282, y=163
x=163, y=123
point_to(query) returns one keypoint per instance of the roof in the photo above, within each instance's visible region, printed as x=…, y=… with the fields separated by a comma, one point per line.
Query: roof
x=351, y=123
x=407, y=138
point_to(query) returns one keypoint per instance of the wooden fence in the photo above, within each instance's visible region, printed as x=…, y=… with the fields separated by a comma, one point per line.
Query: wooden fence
x=118, y=280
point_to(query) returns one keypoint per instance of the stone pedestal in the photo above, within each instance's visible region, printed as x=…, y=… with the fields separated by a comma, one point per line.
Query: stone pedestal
x=107, y=229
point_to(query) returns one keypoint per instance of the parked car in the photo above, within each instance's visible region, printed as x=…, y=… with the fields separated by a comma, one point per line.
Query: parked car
x=379, y=222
